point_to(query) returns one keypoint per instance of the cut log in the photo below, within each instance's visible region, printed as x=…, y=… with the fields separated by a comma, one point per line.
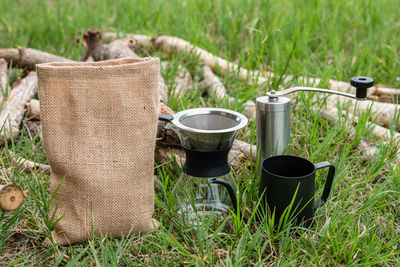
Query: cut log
x=12, y=112
x=34, y=127
x=162, y=90
x=33, y=109
x=33, y=166
x=384, y=113
x=215, y=87
x=89, y=59
x=176, y=45
x=3, y=78
x=368, y=151
x=168, y=145
x=242, y=154
x=143, y=41
x=164, y=109
x=29, y=57
x=165, y=136
x=182, y=82
x=167, y=154
x=29, y=164
x=332, y=113
x=11, y=197
x=95, y=50
x=385, y=95
x=122, y=48
x=378, y=131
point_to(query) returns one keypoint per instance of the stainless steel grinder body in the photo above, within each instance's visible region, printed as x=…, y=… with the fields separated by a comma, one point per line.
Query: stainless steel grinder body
x=273, y=126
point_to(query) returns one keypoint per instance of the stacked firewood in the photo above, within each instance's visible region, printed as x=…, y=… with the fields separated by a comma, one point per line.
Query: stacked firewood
x=19, y=101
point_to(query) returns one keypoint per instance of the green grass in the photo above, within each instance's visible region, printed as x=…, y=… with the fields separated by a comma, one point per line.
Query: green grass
x=339, y=39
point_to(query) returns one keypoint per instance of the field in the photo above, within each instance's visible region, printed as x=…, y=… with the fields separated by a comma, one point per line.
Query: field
x=360, y=224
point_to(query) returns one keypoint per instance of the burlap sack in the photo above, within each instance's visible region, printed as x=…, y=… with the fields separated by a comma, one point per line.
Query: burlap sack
x=99, y=128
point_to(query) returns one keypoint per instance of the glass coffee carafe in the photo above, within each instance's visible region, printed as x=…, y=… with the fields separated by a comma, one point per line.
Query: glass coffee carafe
x=205, y=187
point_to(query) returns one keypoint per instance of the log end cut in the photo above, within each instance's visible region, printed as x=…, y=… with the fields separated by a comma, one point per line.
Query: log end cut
x=11, y=197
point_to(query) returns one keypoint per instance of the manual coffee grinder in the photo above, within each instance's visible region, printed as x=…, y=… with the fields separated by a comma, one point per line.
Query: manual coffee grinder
x=273, y=115
x=205, y=187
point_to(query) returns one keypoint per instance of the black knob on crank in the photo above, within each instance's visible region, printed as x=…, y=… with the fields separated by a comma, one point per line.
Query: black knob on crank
x=361, y=84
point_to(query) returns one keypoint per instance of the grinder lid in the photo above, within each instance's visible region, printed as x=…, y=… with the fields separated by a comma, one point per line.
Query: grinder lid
x=275, y=104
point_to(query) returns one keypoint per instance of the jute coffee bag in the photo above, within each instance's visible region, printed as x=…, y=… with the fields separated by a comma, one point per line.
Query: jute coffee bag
x=99, y=124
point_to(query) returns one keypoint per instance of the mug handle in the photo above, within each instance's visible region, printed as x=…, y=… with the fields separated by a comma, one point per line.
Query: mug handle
x=230, y=191
x=328, y=183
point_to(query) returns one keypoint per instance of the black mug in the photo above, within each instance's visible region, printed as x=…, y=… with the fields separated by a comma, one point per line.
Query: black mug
x=281, y=177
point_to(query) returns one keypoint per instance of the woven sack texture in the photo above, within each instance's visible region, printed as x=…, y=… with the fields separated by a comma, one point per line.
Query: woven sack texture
x=99, y=124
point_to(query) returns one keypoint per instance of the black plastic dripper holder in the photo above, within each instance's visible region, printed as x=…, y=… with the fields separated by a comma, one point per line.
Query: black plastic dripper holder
x=206, y=164
x=361, y=83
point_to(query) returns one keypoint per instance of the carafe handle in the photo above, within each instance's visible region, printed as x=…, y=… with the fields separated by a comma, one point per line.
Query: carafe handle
x=231, y=192
x=328, y=183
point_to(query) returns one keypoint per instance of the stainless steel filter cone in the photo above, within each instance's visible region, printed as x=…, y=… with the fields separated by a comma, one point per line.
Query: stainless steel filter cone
x=207, y=129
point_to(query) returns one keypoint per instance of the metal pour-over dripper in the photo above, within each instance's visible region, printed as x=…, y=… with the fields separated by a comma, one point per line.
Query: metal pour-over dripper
x=206, y=129
x=273, y=115
x=207, y=135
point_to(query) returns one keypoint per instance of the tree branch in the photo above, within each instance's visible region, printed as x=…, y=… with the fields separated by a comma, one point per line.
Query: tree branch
x=29, y=57
x=12, y=112
x=3, y=78
x=215, y=87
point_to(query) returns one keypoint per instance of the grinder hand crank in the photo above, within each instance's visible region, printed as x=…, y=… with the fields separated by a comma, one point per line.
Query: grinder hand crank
x=273, y=115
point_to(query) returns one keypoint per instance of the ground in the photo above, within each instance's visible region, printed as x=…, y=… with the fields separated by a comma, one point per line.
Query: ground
x=339, y=39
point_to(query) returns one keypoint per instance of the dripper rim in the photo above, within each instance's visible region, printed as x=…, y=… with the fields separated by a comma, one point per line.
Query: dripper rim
x=200, y=111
